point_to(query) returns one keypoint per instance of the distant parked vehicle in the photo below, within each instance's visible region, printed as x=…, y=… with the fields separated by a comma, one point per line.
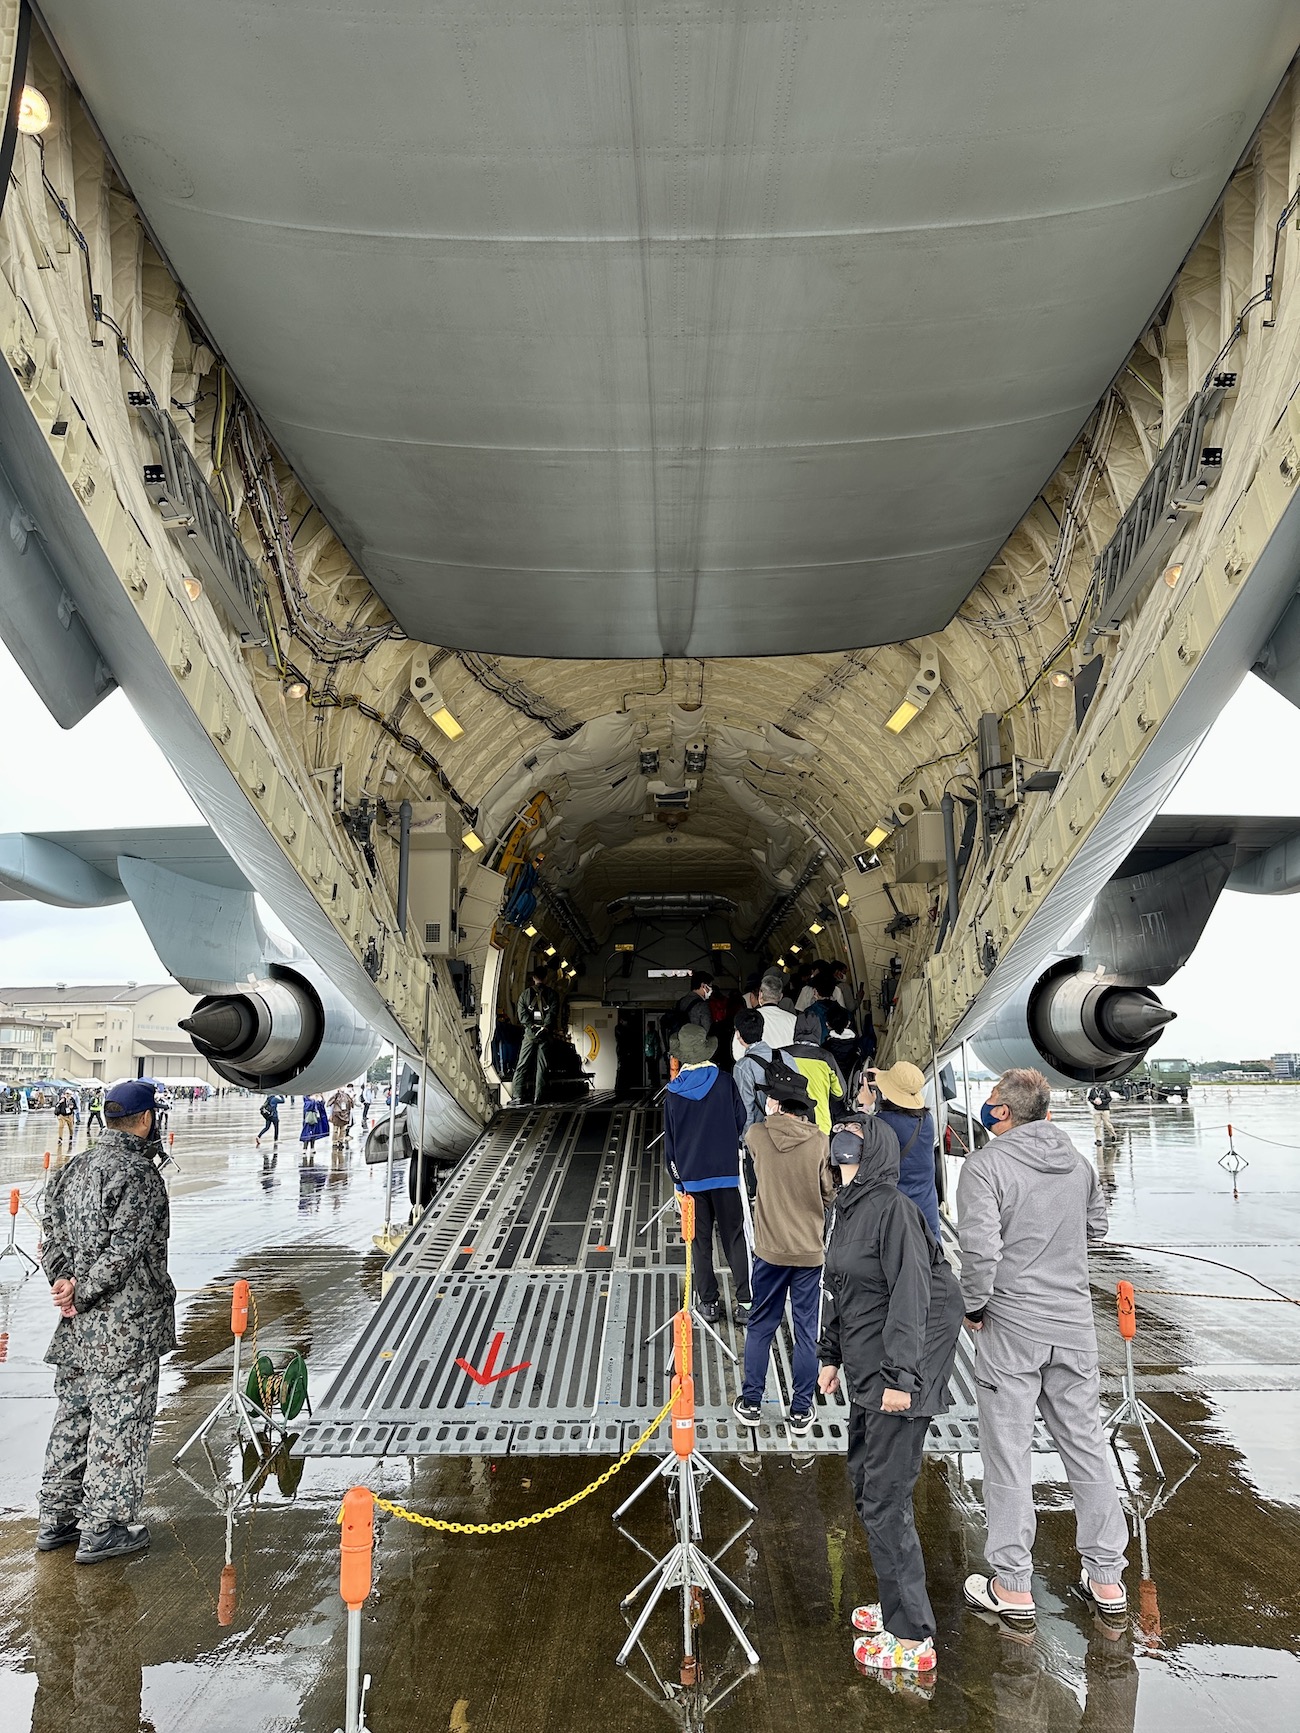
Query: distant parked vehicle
x=1157, y=1080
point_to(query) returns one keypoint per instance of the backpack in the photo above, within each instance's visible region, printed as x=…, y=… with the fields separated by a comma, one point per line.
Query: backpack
x=778, y=1071
x=671, y=1022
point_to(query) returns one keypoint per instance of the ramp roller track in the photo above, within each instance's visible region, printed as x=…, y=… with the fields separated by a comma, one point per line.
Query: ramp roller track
x=546, y=1234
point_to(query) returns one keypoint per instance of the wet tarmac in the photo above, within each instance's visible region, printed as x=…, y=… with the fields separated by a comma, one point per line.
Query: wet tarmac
x=517, y=1631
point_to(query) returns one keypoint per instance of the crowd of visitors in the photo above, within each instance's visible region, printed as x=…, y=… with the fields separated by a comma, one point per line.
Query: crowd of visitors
x=817, y=1174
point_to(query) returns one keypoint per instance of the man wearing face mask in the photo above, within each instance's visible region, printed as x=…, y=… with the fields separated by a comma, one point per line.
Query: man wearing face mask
x=106, y=1229
x=1028, y=1204
x=693, y=1007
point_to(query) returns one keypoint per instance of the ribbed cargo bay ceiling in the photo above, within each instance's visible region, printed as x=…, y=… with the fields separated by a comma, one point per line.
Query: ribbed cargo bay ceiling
x=616, y=329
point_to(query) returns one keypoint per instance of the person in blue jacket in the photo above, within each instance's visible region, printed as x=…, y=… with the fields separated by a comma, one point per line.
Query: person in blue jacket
x=315, y=1122
x=901, y=1106
x=704, y=1119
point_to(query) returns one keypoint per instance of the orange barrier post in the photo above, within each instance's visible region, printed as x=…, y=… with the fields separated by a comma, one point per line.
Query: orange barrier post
x=688, y=1217
x=1127, y=1310
x=226, y=1601
x=239, y=1309
x=684, y=1416
x=683, y=1345
x=11, y=1248
x=356, y=1576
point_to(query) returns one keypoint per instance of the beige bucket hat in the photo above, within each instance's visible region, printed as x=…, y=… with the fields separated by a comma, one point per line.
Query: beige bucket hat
x=902, y=1084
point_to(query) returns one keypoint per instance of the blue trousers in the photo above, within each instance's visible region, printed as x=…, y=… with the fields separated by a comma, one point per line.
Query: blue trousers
x=771, y=1283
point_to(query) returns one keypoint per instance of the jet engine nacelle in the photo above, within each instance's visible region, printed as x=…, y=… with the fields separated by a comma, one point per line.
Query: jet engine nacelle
x=1076, y=1025
x=291, y=1027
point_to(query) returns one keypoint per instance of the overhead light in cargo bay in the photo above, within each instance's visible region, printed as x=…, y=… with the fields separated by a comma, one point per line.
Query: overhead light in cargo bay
x=780, y=962
x=1060, y=679
x=33, y=111
x=193, y=588
x=295, y=688
x=875, y=837
x=795, y=948
x=472, y=841
x=530, y=932
x=814, y=928
x=1172, y=575
x=924, y=686
x=844, y=899
x=550, y=950
x=447, y=722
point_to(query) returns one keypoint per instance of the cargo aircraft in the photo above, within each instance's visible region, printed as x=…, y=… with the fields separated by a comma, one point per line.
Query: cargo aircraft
x=639, y=487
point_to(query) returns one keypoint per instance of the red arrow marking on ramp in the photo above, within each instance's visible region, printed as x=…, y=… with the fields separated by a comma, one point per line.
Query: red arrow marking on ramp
x=487, y=1375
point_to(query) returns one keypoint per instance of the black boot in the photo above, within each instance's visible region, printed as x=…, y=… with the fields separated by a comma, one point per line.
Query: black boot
x=55, y=1532
x=116, y=1541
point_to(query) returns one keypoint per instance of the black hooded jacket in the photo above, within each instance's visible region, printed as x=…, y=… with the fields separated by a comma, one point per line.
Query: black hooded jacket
x=894, y=1308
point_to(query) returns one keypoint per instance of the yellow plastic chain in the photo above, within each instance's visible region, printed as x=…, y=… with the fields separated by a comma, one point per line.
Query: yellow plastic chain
x=518, y=1522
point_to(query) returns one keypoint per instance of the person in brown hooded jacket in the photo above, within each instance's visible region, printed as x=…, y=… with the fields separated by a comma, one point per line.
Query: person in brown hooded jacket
x=793, y=1169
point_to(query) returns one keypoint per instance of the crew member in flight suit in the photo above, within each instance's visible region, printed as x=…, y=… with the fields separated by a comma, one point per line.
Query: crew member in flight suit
x=106, y=1229
x=538, y=1010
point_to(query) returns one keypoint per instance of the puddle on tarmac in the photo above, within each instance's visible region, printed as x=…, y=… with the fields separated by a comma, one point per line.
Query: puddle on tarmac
x=516, y=1633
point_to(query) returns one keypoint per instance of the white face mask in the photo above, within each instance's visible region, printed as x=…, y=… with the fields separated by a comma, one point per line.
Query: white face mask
x=770, y=1106
x=707, y=992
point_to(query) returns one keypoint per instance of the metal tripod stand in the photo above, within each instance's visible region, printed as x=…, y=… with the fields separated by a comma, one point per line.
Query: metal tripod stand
x=248, y=1416
x=686, y=1566
x=11, y=1248
x=1131, y=1409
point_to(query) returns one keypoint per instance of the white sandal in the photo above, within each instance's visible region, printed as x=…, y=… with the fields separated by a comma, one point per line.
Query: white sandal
x=980, y=1592
x=1118, y=1607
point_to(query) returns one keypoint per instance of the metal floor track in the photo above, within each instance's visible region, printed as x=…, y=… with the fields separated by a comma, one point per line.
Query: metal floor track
x=547, y=1236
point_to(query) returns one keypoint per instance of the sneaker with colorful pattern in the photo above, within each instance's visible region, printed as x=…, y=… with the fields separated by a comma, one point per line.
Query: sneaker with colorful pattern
x=888, y=1654
x=868, y=1619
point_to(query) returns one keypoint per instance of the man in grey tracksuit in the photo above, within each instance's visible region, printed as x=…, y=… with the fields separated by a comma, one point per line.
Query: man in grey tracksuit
x=1027, y=1204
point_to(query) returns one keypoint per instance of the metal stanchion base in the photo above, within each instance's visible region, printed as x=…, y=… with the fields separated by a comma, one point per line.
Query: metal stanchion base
x=251, y=1423
x=14, y=1250
x=686, y=1566
x=1133, y=1411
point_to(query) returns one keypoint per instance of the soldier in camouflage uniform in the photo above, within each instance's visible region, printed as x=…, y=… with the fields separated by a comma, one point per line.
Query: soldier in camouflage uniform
x=105, y=1255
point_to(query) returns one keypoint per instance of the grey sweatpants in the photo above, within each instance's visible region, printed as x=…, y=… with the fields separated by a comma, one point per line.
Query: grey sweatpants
x=1013, y=1376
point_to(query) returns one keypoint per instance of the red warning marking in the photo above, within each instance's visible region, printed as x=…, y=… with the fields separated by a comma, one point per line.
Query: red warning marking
x=467, y=1251
x=487, y=1375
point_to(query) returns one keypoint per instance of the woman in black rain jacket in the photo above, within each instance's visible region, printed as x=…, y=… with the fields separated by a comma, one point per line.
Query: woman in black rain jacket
x=890, y=1324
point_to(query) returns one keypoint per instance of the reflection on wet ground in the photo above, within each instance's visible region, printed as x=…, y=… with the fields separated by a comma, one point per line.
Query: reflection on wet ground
x=517, y=1632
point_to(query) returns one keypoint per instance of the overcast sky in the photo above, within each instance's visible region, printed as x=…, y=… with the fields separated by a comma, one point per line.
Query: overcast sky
x=1233, y=999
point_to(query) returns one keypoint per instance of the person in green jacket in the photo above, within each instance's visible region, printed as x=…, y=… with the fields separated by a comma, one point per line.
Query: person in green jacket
x=538, y=1010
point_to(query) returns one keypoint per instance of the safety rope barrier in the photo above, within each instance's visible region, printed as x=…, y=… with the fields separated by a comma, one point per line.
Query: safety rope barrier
x=1197, y=1258
x=1246, y=1299
x=444, y=1526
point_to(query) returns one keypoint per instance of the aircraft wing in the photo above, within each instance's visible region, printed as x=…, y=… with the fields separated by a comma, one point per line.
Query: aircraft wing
x=79, y=869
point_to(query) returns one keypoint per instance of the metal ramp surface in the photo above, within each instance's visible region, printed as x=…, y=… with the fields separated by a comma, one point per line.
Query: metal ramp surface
x=547, y=1236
